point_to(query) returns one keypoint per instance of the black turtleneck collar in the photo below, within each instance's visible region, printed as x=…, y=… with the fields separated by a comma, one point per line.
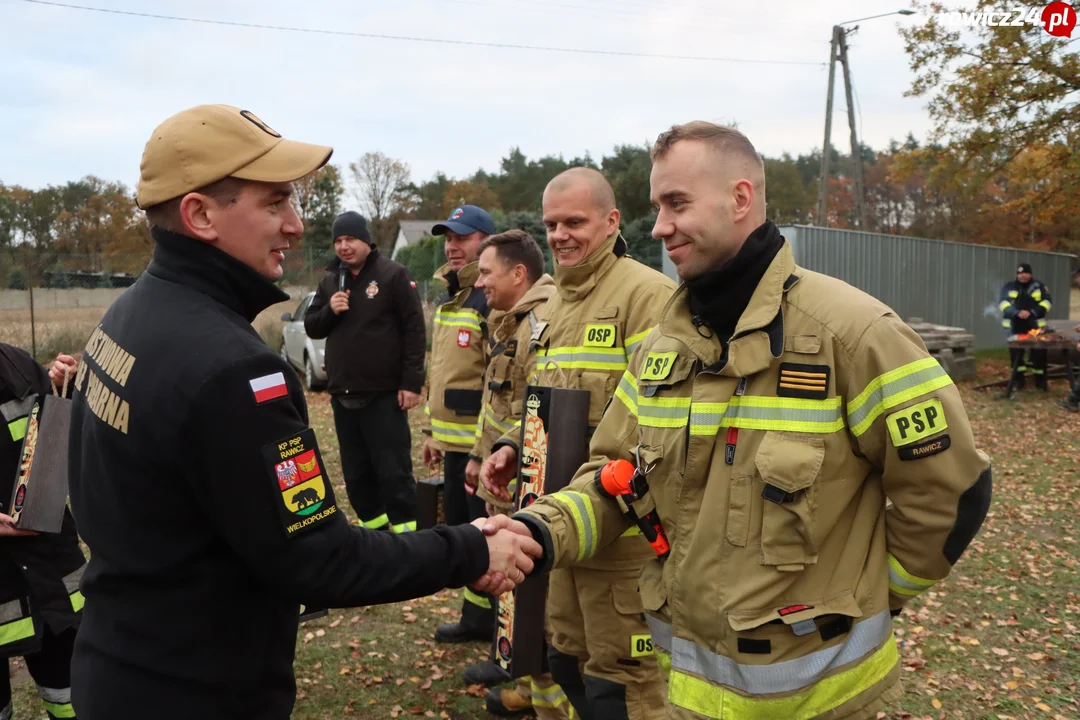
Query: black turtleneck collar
x=719, y=297
x=201, y=266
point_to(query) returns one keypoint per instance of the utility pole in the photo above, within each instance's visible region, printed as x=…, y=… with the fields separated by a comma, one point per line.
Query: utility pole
x=823, y=184
x=838, y=46
x=856, y=152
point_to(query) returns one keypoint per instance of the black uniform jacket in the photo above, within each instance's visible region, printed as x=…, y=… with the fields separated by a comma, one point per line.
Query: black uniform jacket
x=379, y=343
x=204, y=500
x=39, y=572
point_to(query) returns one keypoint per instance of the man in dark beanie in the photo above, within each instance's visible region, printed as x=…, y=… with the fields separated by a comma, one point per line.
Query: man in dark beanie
x=1024, y=304
x=367, y=308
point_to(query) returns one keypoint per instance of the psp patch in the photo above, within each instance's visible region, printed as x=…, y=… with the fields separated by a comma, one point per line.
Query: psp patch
x=304, y=496
x=916, y=422
x=810, y=382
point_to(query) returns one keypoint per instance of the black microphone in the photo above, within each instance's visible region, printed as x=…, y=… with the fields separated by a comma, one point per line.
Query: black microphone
x=342, y=270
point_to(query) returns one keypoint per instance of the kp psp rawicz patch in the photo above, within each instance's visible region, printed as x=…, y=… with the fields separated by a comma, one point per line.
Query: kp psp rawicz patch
x=916, y=431
x=304, y=495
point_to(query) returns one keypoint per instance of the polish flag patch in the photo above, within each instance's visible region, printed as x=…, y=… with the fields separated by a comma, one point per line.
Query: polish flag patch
x=269, y=387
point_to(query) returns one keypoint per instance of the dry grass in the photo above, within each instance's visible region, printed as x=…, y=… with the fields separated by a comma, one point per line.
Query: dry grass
x=57, y=330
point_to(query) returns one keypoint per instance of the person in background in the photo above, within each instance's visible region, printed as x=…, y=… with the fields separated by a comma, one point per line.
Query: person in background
x=454, y=392
x=40, y=602
x=367, y=308
x=1024, y=304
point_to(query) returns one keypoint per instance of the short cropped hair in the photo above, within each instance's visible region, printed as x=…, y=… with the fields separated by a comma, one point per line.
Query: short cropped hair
x=166, y=215
x=517, y=247
x=723, y=137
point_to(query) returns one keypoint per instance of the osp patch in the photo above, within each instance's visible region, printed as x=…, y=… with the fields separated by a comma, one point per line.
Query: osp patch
x=304, y=497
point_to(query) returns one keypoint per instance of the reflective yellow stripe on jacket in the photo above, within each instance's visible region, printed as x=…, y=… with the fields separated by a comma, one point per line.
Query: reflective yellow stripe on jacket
x=467, y=319
x=747, y=412
x=454, y=433
x=895, y=387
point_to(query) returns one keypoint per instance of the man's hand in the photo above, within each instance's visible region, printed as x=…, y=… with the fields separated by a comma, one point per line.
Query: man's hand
x=339, y=302
x=431, y=454
x=407, y=400
x=499, y=470
x=8, y=529
x=511, y=551
x=1023, y=314
x=472, y=473
x=56, y=372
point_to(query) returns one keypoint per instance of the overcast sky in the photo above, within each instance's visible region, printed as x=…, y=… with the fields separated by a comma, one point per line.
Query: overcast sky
x=80, y=92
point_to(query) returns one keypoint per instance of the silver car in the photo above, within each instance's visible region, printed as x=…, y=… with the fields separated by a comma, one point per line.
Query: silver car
x=306, y=355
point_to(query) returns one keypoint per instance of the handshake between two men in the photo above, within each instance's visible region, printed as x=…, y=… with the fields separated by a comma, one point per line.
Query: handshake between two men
x=511, y=552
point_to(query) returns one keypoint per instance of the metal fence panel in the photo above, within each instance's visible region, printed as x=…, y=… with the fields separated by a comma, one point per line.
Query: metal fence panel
x=942, y=282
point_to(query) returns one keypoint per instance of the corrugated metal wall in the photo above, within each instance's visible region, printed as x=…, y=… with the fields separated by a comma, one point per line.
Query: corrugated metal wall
x=941, y=282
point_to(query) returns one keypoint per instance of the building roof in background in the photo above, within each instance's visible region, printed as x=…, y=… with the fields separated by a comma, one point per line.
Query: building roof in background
x=416, y=229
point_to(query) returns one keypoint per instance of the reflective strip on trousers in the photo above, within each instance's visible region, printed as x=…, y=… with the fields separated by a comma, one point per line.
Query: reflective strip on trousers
x=902, y=582
x=581, y=510
x=14, y=624
x=767, y=413
x=376, y=522
x=476, y=599
x=55, y=695
x=720, y=703
x=781, y=677
x=553, y=696
x=405, y=527
x=582, y=358
x=894, y=388
x=71, y=584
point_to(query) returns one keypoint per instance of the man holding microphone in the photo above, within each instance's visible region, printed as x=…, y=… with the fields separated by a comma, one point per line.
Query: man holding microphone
x=367, y=308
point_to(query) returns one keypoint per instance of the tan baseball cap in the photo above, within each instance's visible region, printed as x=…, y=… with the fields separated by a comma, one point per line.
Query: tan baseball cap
x=207, y=143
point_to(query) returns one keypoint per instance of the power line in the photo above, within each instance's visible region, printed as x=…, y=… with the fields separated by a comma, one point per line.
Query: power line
x=406, y=38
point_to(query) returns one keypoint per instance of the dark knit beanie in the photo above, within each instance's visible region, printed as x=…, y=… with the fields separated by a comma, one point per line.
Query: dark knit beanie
x=352, y=223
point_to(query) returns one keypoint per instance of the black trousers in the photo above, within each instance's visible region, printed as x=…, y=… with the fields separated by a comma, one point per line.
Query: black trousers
x=1035, y=364
x=50, y=668
x=376, y=459
x=459, y=507
x=478, y=610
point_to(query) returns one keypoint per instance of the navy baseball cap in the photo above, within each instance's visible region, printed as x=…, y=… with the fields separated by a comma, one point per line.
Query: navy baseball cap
x=466, y=220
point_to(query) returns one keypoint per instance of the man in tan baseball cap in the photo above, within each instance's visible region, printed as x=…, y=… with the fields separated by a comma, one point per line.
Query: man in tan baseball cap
x=196, y=480
x=219, y=174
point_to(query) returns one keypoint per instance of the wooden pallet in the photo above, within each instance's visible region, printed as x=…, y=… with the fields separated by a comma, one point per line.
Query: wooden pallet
x=950, y=345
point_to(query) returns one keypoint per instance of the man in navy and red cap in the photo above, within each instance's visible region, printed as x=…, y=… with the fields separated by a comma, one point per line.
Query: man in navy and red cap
x=455, y=390
x=1024, y=304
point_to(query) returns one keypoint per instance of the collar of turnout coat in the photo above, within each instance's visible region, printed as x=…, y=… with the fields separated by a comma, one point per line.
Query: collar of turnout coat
x=204, y=268
x=576, y=282
x=458, y=280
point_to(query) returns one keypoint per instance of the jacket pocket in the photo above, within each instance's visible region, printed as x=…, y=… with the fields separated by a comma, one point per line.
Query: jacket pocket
x=789, y=465
x=463, y=402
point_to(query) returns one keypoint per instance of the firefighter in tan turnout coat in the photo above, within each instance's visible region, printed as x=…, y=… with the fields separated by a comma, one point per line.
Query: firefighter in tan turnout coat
x=772, y=412
x=604, y=306
x=513, y=280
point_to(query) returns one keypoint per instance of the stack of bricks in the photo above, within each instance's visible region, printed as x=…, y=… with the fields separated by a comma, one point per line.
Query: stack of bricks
x=950, y=345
